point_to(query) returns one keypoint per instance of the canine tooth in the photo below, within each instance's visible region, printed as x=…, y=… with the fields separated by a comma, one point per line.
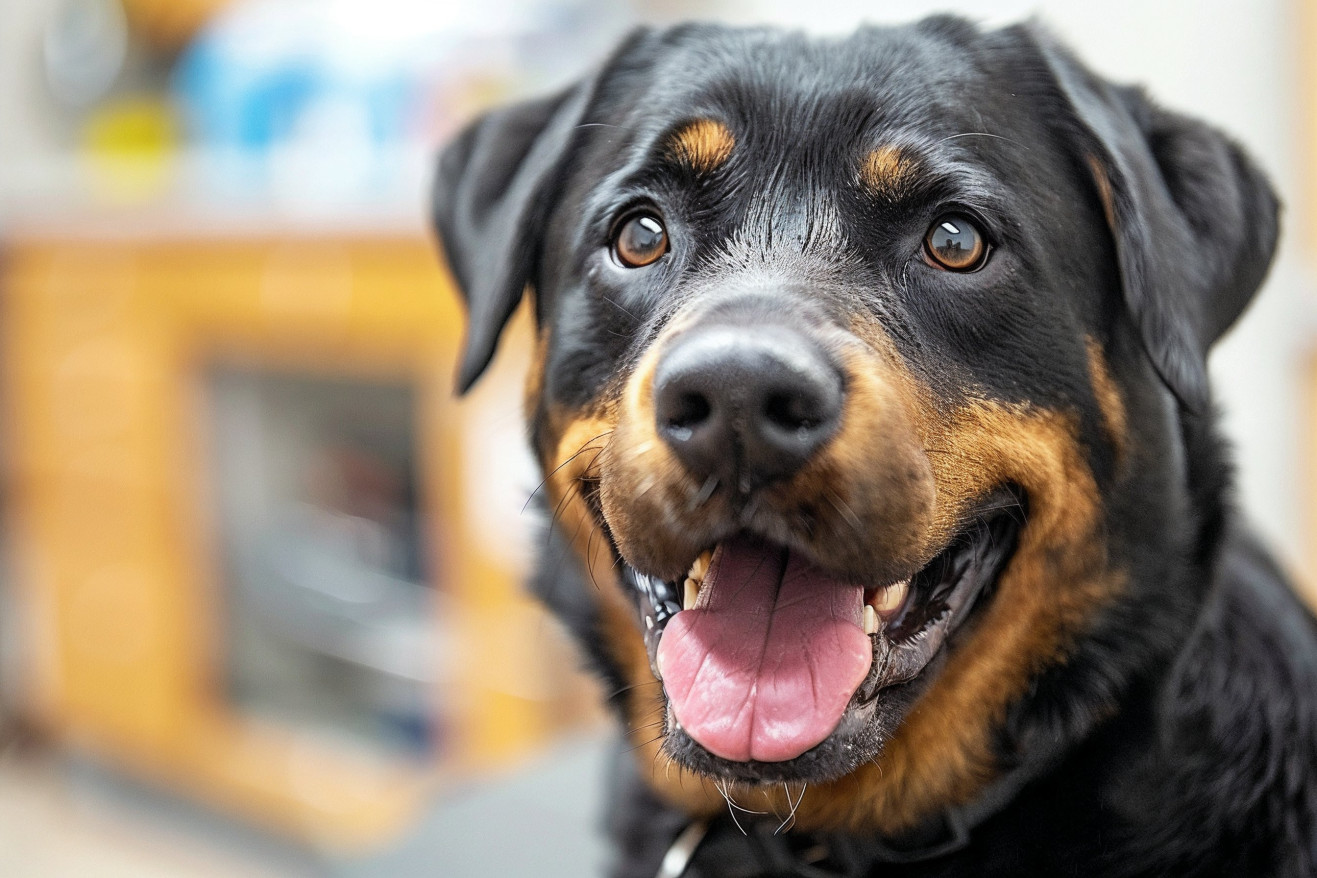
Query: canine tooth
x=691, y=593
x=658, y=667
x=701, y=566
x=870, y=620
x=889, y=600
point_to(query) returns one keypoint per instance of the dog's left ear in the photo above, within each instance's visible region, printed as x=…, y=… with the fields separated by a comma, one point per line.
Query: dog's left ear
x=1195, y=222
x=492, y=194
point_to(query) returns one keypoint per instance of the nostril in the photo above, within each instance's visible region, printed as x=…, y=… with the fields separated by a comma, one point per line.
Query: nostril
x=686, y=413
x=790, y=412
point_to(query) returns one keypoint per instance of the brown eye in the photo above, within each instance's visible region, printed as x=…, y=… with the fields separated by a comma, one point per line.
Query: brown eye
x=640, y=241
x=954, y=243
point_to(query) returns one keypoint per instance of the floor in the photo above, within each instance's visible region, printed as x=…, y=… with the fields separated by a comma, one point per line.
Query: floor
x=59, y=819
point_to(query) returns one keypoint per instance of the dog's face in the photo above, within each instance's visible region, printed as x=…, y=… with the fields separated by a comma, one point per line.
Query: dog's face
x=860, y=389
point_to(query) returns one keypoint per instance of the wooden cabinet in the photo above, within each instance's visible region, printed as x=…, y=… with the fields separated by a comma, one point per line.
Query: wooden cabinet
x=113, y=350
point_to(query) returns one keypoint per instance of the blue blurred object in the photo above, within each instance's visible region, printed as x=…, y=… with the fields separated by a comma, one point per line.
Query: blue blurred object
x=333, y=102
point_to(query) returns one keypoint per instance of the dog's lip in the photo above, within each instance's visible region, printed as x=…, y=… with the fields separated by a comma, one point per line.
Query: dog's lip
x=913, y=624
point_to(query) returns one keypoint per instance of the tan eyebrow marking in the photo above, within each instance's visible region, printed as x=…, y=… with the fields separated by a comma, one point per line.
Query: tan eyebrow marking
x=889, y=171
x=702, y=145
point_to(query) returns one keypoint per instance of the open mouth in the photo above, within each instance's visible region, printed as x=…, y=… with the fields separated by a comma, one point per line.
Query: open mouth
x=768, y=661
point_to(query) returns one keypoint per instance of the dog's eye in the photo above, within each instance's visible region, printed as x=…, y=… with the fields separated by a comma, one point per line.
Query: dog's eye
x=640, y=240
x=954, y=243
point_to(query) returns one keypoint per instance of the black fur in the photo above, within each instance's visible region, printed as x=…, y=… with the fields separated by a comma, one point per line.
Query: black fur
x=1186, y=719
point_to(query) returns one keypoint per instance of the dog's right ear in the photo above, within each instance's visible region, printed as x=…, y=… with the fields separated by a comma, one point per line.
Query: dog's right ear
x=491, y=198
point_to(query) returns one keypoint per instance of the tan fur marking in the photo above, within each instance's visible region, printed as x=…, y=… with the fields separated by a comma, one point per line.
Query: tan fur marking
x=1110, y=402
x=1103, y=183
x=888, y=171
x=702, y=145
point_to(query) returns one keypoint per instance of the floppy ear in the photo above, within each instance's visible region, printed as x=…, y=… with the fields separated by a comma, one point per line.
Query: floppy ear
x=1194, y=221
x=492, y=194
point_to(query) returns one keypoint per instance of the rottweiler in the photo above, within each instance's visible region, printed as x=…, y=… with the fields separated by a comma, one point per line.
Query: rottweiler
x=871, y=398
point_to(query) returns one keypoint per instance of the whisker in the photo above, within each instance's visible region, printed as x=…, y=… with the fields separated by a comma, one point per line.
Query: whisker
x=644, y=744
x=576, y=535
x=558, y=510
x=618, y=306
x=844, y=509
x=725, y=789
x=631, y=687
x=589, y=556
x=588, y=444
x=791, y=817
x=983, y=134
x=706, y=491
x=731, y=806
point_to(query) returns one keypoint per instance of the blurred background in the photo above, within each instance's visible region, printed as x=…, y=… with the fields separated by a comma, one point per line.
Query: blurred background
x=260, y=593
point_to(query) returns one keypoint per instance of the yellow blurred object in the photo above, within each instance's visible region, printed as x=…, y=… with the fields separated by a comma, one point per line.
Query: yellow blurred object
x=129, y=145
x=170, y=24
x=105, y=343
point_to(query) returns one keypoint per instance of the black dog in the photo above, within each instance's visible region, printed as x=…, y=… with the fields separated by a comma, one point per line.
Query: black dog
x=871, y=396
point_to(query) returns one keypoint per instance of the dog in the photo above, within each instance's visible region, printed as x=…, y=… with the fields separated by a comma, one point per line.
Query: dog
x=871, y=398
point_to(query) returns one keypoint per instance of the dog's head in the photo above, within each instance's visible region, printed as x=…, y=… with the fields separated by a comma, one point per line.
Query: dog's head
x=867, y=383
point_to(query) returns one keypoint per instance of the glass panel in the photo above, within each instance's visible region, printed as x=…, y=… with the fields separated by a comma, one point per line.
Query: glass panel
x=332, y=622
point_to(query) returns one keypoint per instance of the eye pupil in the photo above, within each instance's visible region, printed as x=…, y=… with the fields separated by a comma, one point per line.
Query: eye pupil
x=955, y=244
x=641, y=240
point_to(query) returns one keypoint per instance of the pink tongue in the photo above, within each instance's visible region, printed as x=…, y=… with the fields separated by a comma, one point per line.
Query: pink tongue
x=765, y=669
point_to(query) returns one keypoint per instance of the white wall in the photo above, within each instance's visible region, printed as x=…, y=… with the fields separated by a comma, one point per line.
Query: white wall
x=23, y=126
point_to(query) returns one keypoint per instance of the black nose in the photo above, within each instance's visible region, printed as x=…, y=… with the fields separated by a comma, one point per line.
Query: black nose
x=747, y=405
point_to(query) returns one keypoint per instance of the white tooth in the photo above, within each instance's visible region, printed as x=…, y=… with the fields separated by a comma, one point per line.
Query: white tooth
x=691, y=593
x=658, y=666
x=870, y=620
x=701, y=566
x=892, y=597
